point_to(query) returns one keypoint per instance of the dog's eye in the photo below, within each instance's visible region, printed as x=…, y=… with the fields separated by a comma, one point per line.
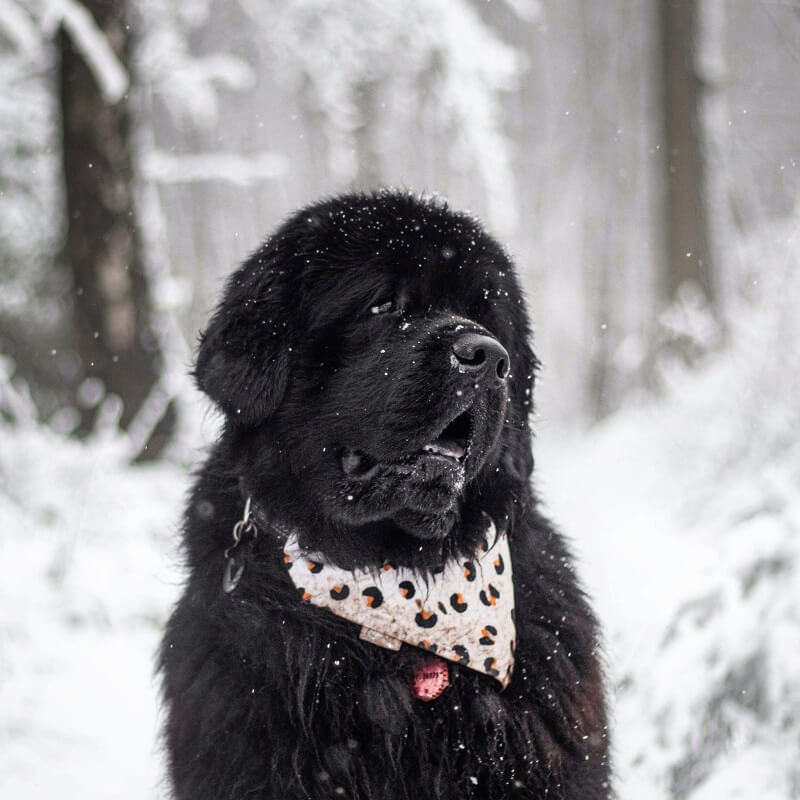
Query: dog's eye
x=382, y=308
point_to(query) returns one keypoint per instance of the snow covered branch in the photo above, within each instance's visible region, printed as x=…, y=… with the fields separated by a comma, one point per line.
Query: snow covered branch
x=242, y=170
x=92, y=43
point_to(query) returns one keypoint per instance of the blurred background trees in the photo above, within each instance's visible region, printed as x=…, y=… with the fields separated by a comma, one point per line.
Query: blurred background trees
x=630, y=153
x=638, y=157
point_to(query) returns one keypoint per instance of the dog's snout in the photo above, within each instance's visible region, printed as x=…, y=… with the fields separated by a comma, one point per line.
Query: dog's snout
x=482, y=356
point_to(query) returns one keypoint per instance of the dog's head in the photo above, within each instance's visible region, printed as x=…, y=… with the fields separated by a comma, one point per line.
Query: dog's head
x=373, y=358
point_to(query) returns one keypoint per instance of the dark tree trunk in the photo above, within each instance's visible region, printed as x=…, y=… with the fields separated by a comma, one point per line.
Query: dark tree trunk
x=111, y=303
x=687, y=233
x=368, y=174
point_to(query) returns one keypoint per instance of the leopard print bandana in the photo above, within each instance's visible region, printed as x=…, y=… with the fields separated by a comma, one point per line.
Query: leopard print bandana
x=464, y=612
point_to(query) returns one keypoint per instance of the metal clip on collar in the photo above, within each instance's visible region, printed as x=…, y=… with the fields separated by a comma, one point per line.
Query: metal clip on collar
x=244, y=531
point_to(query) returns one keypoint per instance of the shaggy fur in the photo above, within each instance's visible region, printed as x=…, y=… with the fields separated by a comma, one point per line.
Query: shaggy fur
x=332, y=359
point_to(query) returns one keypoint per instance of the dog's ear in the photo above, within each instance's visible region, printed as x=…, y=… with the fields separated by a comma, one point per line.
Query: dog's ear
x=243, y=361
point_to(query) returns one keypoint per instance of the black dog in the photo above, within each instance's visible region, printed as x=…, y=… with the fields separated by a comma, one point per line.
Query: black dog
x=372, y=361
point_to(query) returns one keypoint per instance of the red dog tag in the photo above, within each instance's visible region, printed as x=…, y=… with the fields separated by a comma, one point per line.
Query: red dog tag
x=431, y=678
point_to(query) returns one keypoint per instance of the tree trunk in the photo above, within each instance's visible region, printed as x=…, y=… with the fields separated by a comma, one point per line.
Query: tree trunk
x=687, y=234
x=112, y=315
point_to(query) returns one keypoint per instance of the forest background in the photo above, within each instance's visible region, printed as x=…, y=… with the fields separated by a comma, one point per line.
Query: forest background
x=638, y=157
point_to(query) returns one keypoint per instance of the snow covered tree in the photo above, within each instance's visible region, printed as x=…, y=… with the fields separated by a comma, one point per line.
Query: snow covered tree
x=111, y=309
x=688, y=256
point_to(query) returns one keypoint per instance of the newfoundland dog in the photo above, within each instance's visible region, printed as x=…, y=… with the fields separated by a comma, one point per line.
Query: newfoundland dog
x=375, y=607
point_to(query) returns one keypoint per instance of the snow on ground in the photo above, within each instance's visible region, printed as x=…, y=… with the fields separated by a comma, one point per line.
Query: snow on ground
x=689, y=548
x=88, y=570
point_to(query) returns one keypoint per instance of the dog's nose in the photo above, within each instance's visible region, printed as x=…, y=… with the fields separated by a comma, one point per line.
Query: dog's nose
x=481, y=356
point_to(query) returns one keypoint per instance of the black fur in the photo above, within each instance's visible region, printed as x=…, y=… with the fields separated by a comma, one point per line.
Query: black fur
x=327, y=406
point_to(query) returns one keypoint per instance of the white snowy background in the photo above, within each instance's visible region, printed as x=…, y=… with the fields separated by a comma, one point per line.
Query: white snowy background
x=682, y=501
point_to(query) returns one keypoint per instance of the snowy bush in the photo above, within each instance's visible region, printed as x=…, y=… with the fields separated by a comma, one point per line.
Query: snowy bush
x=687, y=511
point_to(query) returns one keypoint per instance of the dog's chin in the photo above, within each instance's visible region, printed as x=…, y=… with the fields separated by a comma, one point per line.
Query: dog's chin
x=425, y=526
x=419, y=493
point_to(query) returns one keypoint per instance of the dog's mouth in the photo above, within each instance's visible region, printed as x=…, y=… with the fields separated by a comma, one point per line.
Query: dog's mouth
x=453, y=442
x=451, y=445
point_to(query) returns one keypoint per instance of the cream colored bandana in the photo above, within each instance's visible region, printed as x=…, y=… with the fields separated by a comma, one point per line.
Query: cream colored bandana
x=464, y=612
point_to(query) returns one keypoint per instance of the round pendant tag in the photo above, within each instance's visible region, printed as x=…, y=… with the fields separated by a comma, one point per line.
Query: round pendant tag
x=431, y=678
